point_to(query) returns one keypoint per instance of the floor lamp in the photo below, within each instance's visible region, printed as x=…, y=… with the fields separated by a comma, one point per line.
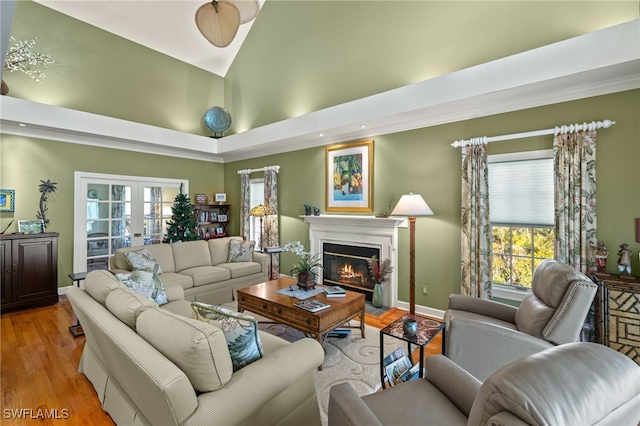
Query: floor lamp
x=412, y=205
x=261, y=211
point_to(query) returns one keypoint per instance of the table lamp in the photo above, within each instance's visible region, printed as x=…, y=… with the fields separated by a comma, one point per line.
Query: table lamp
x=412, y=205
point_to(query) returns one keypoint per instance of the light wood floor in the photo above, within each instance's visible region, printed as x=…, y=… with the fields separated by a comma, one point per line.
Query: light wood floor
x=39, y=367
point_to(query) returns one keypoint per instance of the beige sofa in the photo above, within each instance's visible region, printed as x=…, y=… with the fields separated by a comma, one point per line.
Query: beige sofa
x=572, y=384
x=158, y=379
x=201, y=268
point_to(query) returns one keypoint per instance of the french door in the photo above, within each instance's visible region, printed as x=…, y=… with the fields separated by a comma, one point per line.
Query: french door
x=113, y=211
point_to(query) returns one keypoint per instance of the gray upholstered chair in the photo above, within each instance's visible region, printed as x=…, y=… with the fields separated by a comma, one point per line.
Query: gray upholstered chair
x=574, y=384
x=484, y=335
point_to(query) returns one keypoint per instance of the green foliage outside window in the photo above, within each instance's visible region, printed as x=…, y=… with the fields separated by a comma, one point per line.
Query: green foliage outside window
x=517, y=251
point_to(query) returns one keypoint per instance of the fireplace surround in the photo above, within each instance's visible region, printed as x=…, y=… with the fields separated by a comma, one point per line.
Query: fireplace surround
x=373, y=235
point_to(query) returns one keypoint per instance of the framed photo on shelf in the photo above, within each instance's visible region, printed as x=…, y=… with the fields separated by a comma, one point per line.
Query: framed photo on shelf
x=349, y=177
x=201, y=198
x=213, y=217
x=221, y=197
x=220, y=231
x=31, y=226
x=222, y=218
x=7, y=200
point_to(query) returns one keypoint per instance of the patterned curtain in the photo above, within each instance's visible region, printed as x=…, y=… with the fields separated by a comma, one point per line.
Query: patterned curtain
x=244, y=204
x=574, y=162
x=476, y=230
x=271, y=228
x=154, y=224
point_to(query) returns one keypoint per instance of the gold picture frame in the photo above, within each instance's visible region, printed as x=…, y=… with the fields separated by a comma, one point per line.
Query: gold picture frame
x=349, y=177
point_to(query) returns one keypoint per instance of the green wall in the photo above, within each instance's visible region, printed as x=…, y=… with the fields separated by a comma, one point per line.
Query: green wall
x=423, y=161
x=99, y=72
x=302, y=56
x=24, y=162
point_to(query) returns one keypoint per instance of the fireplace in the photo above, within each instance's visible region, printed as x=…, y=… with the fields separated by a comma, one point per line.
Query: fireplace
x=347, y=266
x=363, y=236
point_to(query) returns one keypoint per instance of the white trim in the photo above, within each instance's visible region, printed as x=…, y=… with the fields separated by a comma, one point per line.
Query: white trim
x=589, y=65
x=508, y=293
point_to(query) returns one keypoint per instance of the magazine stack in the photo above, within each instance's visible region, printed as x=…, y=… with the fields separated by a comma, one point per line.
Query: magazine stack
x=399, y=368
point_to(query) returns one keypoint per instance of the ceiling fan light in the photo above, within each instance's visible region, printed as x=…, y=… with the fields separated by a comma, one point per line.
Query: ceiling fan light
x=248, y=9
x=218, y=22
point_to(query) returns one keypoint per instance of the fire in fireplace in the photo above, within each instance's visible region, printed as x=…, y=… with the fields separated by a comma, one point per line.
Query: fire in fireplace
x=347, y=266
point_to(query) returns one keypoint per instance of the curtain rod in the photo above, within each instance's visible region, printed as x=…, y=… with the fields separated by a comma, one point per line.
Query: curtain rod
x=570, y=128
x=263, y=169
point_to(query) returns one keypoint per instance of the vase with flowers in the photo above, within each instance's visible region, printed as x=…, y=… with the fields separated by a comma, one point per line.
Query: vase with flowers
x=379, y=272
x=306, y=268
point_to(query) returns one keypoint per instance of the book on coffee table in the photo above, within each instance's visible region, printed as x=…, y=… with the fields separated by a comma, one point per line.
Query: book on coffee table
x=335, y=291
x=312, y=305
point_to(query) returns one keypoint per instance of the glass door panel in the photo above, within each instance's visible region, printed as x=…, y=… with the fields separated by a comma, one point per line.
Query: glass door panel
x=119, y=211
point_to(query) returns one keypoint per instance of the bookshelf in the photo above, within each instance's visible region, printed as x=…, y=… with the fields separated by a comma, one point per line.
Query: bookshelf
x=213, y=220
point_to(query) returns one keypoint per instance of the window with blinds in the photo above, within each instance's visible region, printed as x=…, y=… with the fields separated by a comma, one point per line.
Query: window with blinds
x=521, y=203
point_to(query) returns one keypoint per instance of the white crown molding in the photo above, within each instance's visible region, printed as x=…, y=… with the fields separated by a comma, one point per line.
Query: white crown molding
x=598, y=63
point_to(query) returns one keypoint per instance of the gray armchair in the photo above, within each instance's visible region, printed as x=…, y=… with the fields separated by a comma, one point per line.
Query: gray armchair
x=483, y=335
x=573, y=384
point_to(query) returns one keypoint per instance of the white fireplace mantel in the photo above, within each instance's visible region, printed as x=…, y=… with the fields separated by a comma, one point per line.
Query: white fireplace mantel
x=362, y=221
x=363, y=231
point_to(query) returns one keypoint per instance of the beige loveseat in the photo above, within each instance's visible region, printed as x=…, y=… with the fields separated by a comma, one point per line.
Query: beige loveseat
x=180, y=372
x=201, y=268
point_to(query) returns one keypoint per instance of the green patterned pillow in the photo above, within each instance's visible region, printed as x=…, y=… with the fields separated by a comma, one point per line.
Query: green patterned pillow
x=241, y=251
x=146, y=283
x=142, y=259
x=240, y=330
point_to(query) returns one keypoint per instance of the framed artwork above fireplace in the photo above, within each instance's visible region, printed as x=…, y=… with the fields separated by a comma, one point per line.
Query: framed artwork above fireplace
x=349, y=177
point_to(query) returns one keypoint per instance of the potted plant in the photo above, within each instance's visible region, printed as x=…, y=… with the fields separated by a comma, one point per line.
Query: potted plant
x=305, y=268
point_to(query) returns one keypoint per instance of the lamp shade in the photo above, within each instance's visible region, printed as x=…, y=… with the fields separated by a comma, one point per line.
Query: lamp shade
x=218, y=22
x=248, y=9
x=412, y=205
x=260, y=210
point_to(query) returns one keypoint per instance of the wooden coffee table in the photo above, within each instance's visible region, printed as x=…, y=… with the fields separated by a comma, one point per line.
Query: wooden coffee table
x=263, y=300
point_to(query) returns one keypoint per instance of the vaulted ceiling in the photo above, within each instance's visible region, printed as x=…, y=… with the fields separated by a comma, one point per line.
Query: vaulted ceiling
x=165, y=26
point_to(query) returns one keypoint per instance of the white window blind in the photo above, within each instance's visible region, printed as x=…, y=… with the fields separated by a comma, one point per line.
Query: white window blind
x=521, y=189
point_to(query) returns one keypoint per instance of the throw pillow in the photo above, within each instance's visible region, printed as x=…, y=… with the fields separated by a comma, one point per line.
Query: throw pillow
x=146, y=283
x=241, y=251
x=240, y=331
x=142, y=259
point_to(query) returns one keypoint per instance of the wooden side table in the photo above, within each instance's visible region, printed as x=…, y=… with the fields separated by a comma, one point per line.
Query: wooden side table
x=76, y=329
x=427, y=330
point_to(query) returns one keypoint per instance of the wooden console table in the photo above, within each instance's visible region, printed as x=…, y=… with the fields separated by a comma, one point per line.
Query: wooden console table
x=617, y=313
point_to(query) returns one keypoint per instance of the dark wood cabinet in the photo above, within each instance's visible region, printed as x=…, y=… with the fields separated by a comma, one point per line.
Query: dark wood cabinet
x=29, y=270
x=617, y=313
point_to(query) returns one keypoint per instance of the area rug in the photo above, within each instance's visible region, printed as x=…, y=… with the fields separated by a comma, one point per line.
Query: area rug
x=352, y=359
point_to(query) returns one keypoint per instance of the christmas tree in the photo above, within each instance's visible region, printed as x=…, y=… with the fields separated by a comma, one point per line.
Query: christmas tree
x=183, y=223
